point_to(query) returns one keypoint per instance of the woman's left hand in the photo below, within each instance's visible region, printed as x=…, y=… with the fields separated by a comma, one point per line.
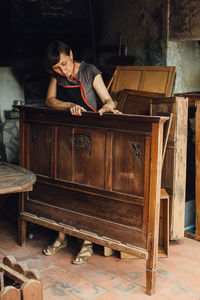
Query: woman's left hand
x=108, y=109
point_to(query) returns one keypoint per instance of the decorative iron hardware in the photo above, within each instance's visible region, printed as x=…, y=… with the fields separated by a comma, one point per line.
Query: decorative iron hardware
x=35, y=132
x=136, y=149
x=80, y=140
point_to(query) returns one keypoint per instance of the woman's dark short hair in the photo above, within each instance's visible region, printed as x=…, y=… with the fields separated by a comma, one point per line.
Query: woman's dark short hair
x=53, y=51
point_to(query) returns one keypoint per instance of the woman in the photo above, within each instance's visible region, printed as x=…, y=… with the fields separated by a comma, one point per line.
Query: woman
x=77, y=87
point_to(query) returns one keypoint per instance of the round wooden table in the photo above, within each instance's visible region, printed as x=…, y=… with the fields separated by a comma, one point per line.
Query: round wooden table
x=15, y=179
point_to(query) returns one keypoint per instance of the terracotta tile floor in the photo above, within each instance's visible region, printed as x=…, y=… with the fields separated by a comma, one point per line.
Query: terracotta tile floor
x=105, y=278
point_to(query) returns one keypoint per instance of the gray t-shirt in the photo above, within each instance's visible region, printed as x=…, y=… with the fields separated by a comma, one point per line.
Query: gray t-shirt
x=86, y=74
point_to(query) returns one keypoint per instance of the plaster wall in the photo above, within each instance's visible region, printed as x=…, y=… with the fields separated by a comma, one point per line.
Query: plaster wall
x=186, y=57
x=10, y=90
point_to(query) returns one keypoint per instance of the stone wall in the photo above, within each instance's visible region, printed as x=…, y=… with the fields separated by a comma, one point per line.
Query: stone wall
x=184, y=24
x=142, y=26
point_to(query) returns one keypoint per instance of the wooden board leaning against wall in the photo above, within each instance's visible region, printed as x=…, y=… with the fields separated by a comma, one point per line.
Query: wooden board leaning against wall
x=174, y=166
x=194, y=167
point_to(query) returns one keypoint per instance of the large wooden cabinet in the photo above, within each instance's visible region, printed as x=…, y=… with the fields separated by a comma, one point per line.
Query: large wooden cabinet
x=98, y=178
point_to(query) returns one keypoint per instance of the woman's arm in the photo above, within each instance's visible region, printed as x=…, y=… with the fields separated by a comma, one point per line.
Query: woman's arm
x=102, y=92
x=53, y=102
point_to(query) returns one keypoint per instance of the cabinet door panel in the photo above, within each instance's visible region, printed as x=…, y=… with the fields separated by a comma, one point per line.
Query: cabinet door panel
x=40, y=149
x=128, y=164
x=81, y=156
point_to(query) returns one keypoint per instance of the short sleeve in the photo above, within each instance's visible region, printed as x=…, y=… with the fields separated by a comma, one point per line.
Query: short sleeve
x=90, y=71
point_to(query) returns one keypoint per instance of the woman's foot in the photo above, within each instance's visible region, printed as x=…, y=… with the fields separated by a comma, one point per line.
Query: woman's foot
x=57, y=245
x=84, y=254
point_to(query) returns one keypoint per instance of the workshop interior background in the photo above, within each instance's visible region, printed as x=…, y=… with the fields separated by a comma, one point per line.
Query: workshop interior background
x=161, y=32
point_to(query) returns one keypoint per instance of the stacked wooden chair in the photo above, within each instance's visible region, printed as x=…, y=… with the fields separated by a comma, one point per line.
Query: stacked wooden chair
x=23, y=283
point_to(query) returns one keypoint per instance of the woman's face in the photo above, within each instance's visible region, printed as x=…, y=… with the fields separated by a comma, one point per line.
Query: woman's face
x=65, y=65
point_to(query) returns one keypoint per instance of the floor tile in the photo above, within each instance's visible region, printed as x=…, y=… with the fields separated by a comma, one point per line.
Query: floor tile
x=104, y=278
x=88, y=291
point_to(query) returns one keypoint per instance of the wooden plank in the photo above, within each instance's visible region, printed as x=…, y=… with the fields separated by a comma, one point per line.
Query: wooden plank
x=154, y=207
x=100, y=226
x=85, y=235
x=197, y=169
x=174, y=167
x=194, y=106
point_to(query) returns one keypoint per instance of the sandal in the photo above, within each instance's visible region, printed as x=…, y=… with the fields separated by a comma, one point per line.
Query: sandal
x=52, y=249
x=84, y=254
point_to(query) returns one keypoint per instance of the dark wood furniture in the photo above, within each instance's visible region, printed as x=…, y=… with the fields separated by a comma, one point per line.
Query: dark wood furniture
x=98, y=178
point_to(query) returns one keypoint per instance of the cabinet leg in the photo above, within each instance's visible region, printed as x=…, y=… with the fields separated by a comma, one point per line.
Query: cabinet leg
x=21, y=232
x=150, y=281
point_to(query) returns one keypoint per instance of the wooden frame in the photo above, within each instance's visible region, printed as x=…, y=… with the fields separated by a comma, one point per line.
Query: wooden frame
x=81, y=202
x=157, y=79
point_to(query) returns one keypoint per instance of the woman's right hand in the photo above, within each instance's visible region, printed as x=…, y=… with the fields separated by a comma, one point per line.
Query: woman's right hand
x=76, y=110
